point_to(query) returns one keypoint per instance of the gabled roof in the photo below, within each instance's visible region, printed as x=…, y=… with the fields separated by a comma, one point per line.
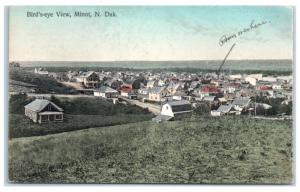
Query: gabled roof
x=39, y=104
x=178, y=106
x=152, y=82
x=105, y=89
x=156, y=90
x=179, y=93
x=222, y=99
x=209, y=98
x=243, y=101
x=89, y=73
x=224, y=108
x=173, y=85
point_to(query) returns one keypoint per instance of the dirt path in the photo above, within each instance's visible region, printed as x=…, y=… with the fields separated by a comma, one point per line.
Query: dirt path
x=155, y=109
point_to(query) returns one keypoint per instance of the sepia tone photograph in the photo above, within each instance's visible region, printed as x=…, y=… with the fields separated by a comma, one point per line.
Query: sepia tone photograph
x=150, y=95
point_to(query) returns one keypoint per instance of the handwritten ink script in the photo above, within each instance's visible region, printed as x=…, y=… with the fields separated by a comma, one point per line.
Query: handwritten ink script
x=226, y=38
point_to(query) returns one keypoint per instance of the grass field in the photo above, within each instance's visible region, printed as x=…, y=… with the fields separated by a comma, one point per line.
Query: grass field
x=21, y=126
x=204, y=150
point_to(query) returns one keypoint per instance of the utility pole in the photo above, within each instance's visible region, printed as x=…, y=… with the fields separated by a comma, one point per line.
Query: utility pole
x=224, y=60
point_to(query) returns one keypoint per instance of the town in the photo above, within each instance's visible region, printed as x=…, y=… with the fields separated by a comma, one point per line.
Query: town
x=172, y=95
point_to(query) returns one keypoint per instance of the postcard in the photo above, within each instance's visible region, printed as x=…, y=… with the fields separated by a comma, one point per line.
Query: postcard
x=150, y=95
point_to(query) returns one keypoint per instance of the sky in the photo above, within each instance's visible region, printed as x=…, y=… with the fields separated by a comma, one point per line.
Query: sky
x=150, y=33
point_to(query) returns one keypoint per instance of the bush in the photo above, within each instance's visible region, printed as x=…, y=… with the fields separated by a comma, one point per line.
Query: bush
x=17, y=103
x=202, y=109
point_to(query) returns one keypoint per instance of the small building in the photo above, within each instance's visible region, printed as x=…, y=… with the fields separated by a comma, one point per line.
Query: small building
x=88, y=79
x=152, y=83
x=157, y=93
x=128, y=94
x=224, y=110
x=241, y=103
x=132, y=84
x=44, y=111
x=106, y=92
x=173, y=87
x=40, y=71
x=177, y=109
x=179, y=95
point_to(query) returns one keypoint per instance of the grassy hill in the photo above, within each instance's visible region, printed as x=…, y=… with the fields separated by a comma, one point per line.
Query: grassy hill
x=80, y=113
x=204, y=150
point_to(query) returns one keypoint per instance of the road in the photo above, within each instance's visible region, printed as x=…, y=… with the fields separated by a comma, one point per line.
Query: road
x=273, y=118
x=155, y=109
x=58, y=95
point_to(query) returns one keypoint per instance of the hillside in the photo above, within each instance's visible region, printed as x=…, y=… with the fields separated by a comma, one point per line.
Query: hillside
x=80, y=113
x=206, y=150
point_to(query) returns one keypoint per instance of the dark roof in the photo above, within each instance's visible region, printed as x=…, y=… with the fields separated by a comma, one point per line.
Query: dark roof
x=243, y=101
x=156, y=89
x=89, y=73
x=182, y=105
x=39, y=104
x=224, y=108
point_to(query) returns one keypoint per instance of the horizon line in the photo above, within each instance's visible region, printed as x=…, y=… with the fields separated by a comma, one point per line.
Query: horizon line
x=146, y=60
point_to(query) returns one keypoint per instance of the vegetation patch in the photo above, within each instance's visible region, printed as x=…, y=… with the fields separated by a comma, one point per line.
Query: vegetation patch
x=208, y=150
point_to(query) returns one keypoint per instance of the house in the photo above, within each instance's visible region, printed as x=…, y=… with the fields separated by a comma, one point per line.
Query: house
x=88, y=79
x=132, y=84
x=223, y=110
x=258, y=76
x=128, y=94
x=113, y=83
x=222, y=100
x=152, y=83
x=200, y=95
x=106, y=92
x=157, y=93
x=269, y=79
x=161, y=83
x=173, y=87
x=40, y=71
x=241, y=103
x=210, y=89
x=91, y=79
x=251, y=80
x=44, y=111
x=179, y=95
x=276, y=87
x=143, y=91
x=235, y=77
x=177, y=109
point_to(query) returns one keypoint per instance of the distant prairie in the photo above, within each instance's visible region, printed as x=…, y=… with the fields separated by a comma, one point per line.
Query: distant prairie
x=263, y=65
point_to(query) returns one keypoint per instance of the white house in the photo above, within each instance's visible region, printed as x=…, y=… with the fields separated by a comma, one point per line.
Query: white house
x=40, y=71
x=276, y=87
x=251, y=80
x=258, y=76
x=237, y=76
x=106, y=92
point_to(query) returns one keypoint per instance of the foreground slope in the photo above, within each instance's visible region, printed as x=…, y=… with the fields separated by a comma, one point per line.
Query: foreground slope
x=205, y=150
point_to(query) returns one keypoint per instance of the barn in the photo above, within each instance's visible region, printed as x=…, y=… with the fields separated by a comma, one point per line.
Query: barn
x=177, y=109
x=44, y=111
